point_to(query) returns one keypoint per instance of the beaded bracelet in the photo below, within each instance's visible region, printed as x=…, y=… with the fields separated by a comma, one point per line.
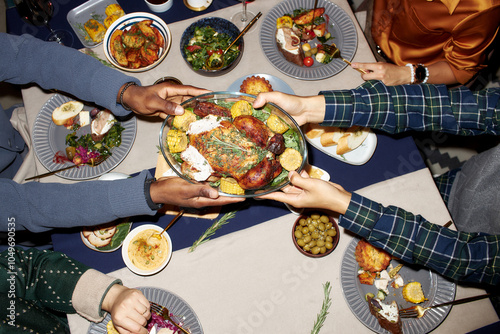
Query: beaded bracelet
x=426, y=73
x=412, y=78
x=131, y=83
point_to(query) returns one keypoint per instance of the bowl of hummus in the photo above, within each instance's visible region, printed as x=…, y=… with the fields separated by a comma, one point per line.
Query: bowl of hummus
x=145, y=252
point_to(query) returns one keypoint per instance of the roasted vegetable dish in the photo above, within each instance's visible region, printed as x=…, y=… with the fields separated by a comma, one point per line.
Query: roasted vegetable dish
x=138, y=46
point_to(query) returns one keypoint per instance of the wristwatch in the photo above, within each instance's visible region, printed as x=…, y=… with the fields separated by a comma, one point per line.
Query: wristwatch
x=421, y=74
x=147, y=186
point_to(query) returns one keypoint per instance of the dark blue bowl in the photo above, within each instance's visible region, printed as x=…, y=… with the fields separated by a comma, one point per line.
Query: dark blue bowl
x=221, y=26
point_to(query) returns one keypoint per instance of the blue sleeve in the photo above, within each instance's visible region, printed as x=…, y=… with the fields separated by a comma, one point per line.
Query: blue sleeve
x=39, y=207
x=396, y=109
x=25, y=59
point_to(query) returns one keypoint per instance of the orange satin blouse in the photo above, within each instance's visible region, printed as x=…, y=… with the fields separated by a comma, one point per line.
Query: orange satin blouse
x=429, y=31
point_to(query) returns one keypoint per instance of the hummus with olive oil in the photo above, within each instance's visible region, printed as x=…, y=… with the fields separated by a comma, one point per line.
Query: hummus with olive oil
x=146, y=252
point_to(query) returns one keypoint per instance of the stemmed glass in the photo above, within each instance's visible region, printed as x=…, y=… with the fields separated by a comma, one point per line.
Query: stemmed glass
x=39, y=13
x=242, y=18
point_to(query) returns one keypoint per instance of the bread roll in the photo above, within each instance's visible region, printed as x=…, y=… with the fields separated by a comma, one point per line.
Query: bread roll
x=354, y=137
x=314, y=130
x=65, y=112
x=331, y=136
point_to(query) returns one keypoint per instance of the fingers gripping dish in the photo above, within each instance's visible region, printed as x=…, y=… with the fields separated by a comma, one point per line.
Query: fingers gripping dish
x=234, y=146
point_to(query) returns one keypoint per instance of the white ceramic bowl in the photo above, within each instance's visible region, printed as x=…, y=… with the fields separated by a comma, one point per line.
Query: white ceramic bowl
x=111, y=176
x=131, y=236
x=160, y=8
x=124, y=23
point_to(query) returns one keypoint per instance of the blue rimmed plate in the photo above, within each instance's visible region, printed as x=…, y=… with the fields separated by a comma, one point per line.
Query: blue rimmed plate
x=125, y=23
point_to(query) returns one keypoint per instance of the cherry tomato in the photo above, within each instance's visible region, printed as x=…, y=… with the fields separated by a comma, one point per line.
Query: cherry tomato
x=210, y=52
x=308, y=61
x=220, y=51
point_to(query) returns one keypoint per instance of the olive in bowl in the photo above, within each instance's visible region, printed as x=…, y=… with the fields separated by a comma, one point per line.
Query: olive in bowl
x=207, y=36
x=315, y=234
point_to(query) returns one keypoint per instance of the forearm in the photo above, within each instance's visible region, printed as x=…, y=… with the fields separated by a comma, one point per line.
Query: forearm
x=469, y=257
x=398, y=109
x=441, y=73
x=42, y=206
x=26, y=59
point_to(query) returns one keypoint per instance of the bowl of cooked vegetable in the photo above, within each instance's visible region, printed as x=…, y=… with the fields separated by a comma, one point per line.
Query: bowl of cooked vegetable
x=207, y=36
x=137, y=42
x=223, y=141
x=315, y=233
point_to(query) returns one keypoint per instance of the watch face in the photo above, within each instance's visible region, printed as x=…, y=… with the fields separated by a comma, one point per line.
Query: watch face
x=420, y=73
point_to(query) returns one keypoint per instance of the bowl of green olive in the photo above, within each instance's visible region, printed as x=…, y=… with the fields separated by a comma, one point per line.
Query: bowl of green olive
x=315, y=234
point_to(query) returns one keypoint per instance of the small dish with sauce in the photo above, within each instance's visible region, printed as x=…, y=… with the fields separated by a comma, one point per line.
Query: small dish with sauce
x=145, y=254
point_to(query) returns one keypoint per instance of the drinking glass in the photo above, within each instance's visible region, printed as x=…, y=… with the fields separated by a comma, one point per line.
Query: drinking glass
x=39, y=13
x=244, y=16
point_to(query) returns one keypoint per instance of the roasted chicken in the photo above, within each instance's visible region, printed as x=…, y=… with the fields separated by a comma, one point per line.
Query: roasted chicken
x=239, y=149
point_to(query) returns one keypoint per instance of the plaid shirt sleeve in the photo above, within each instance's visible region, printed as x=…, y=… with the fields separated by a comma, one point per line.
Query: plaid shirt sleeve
x=396, y=109
x=471, y=257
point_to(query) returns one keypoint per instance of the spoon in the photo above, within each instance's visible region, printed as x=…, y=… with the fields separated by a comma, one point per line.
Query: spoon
x=335, y=53
x=158, y=235
x=216, y=61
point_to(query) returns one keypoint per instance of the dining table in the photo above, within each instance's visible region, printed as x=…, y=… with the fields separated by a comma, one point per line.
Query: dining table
x=249, y=277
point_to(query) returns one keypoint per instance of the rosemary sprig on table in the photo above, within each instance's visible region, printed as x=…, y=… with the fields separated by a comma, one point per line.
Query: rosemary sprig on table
x=211, y=230
x=324, y=309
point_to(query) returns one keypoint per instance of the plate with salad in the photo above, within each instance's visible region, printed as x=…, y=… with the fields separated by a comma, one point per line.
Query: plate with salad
x=51, y=142
x=174, y=303
x=332, y=26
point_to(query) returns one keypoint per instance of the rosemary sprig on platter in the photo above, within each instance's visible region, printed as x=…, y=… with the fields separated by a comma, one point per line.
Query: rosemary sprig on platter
x=324, y=309
x=212, y=229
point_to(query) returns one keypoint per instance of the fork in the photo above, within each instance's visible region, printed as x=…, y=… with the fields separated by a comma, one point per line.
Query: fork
x=93, y=163
x=165, y=313
x=419, y=311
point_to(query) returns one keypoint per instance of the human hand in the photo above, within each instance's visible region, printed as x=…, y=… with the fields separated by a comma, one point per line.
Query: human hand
x=177, y=191
x=306, y=192
x=159, y=100
x=129, y=309
x=389, y=74
x=303, y=109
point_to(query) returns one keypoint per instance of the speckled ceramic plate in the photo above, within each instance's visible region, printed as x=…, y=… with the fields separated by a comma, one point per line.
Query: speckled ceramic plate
x=340, y=26
x=436, y=289
x=174, y=303
x=48, y=139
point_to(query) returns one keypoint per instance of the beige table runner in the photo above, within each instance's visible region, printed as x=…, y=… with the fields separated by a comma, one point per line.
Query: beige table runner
x=255, y=281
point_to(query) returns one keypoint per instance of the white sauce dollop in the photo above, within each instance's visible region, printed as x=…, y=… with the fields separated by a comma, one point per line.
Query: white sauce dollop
x=198, y=162
x=203, y=125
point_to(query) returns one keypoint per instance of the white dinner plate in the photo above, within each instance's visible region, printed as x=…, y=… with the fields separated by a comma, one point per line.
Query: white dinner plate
x=175, y=304
x=48, y=139
x=436, y=289
x=340, y=26
x=277, y=84
x=358, y=156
